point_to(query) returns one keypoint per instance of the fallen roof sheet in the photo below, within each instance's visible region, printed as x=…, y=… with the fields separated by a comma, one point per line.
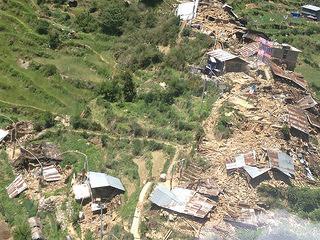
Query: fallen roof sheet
x=16, y=187
x=51, y=173
x=3, y=134
x=242, y=160
x=98, y=180
x=255, y=172
x=307, y=102
x=291, y=76
x=187, y=10
x=81, y=191
x=298, y=120
x=222, y=55
x=246, y=219
x=182, y=200
x=281, y=161
x=313, y=120
x=249, y=49
x=206, y=187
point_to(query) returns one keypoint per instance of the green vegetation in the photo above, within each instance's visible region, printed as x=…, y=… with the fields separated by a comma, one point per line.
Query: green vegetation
x=304, y=201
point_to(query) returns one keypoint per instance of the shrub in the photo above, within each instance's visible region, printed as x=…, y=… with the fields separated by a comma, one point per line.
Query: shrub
x=49, y=70
x=129, y=88
x=42, y=27
x=22, y=230
x=44, y=120
x=54, y=40
x=113, y=18
x=110, y=90
x=86, y=22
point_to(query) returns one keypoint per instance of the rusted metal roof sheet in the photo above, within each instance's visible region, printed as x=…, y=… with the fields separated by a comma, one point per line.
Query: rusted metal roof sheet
x=246, y=219
x=51, y=173
x=182, y=200
x=207, y=187
x=298, y=120
x=291, y=76
x=249, y=49
x=16, y=187
x=281, y=161
x=246, y=159
x=307, y=102
x=313, y=120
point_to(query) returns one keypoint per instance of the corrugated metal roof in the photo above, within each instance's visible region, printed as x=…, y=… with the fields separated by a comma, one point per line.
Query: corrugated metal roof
x=311, y=7
x=16, y=187
x=98, y=180
x=249, y=49
x=242, y=160
x=307, y=102
x=51, y=173
x=221, y=55
x=291, y=76
x=254, y=171
x=182, y=200
x=297, y=119
x=3, y=134
x=281, y=161
x=313, y=120
x=247, y=218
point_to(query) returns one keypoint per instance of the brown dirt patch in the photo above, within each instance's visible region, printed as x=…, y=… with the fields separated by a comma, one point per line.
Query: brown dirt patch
x=158, y=160
x=143, y=172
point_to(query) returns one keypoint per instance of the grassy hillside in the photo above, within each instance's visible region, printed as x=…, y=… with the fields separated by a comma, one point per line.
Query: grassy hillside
x=274, y=19
x=120, y=71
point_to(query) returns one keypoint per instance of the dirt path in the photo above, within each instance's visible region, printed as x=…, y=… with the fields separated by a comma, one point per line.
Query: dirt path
x=158, y=160
x=141, y=169
x=139, y=209
x=26, y=106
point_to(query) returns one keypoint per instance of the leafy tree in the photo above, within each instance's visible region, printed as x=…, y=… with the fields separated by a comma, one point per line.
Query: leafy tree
x=113, y=18
x=129, y=88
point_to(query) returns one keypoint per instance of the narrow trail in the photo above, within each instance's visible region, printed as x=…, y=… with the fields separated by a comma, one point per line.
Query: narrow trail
x=139, y=209
x=27, y=106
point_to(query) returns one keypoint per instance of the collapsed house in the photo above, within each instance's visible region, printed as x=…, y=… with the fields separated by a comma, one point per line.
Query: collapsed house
x=248, y=163
x=285, y=54
x=182, y=201
x=47, y=153
x=311, y=11
x=221, y=62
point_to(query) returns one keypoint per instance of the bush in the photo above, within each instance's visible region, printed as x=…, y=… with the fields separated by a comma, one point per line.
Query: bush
x=129, y=88
x=113, y=17
x=86, y=22
x=44, y=120
x=22, y=230
x=42, y=27
x=49, y=70
x=54, y=40
x=110, y=90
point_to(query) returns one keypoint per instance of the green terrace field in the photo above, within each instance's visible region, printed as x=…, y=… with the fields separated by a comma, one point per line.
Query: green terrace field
x=274, y=19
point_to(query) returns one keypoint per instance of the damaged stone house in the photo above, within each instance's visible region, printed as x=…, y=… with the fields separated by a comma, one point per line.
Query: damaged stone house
x=220, y=62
